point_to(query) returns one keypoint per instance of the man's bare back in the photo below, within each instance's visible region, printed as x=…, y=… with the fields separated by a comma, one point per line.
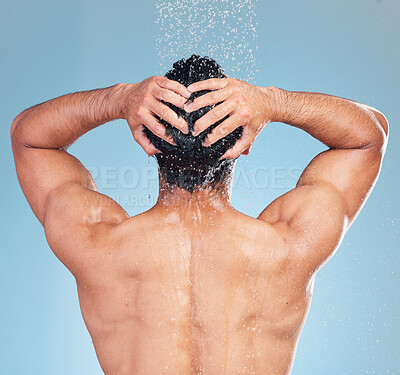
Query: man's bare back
x=172, y=294
x=193, y=286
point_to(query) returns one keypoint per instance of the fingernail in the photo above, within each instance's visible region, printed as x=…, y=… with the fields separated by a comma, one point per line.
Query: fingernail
x=190, y=88
x=188, y=107
x=187, y=94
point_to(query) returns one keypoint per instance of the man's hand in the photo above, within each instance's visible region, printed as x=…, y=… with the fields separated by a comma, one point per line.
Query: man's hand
x=245, y=104
x=144, y=101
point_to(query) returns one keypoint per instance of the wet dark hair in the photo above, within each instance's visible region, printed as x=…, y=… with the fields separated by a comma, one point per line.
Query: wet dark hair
x=190, y=165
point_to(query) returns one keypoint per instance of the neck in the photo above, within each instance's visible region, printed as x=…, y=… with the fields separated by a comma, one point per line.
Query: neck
x=215, y=198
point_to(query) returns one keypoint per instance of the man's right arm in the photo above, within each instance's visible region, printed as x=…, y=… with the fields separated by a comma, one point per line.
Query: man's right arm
x=335, y=185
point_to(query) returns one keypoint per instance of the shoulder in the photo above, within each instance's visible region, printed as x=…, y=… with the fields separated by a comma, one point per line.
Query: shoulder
x=78, y=220
x=79, y=205
x=311, y=219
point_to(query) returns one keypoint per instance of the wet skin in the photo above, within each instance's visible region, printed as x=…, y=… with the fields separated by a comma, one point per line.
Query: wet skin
x=192, y=291
x=193, y=286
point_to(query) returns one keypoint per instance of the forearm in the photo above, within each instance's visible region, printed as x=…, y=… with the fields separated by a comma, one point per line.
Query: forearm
x=337, y=122
x=57, y=123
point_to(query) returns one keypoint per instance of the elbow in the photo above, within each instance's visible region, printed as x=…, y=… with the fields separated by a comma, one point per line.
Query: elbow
x=15, y=133
x=13, y=127
x=383, y=122
x=382, y=128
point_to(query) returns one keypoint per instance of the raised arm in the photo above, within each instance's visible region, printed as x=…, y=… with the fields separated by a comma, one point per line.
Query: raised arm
x=59, y=189
x=356, y=135
x=335, y=185
x=41, y=135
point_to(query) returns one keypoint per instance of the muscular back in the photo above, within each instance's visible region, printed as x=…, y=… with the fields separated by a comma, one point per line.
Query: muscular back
x=197, y=290
x=190, y=293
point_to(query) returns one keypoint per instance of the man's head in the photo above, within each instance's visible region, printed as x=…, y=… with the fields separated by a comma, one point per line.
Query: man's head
x=190, y=165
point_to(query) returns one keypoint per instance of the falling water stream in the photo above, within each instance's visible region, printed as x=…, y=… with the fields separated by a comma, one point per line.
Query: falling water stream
x=221, y=29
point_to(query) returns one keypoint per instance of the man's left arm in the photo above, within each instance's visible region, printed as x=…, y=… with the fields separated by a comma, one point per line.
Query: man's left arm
x=40, y=138
x=59, y=189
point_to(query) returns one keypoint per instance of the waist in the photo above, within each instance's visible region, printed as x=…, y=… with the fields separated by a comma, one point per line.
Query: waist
x=139, y=349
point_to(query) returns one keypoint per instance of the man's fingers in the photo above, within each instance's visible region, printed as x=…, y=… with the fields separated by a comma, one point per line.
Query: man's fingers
x=209, y=84
x=222, y=130
x=151, y=123
x=237, y=149
x=169, y=96
x=144, y=142
x=213, y=116
x=174, y=86
x=167, y=114
x=211, y=98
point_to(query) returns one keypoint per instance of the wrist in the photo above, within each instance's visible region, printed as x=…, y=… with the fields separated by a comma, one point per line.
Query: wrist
x=273, y=103
x=123, y=97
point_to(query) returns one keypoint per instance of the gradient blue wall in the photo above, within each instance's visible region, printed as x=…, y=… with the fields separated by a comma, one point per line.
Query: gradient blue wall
x=345, y=48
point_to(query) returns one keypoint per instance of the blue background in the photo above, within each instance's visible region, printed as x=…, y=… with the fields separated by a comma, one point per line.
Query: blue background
x=345, y=48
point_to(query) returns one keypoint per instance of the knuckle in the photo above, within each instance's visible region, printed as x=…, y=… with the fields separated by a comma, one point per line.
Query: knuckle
x=163, y=96
x=223, y=129
x=164, y=113
x=240, y=98
x=146, y=99
x=153, y=82
x=158, y=130
x=140, y=112
x=142, y=101
x=214, y=96
x=245, y=113
x=215, y=113
x=229, y=91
